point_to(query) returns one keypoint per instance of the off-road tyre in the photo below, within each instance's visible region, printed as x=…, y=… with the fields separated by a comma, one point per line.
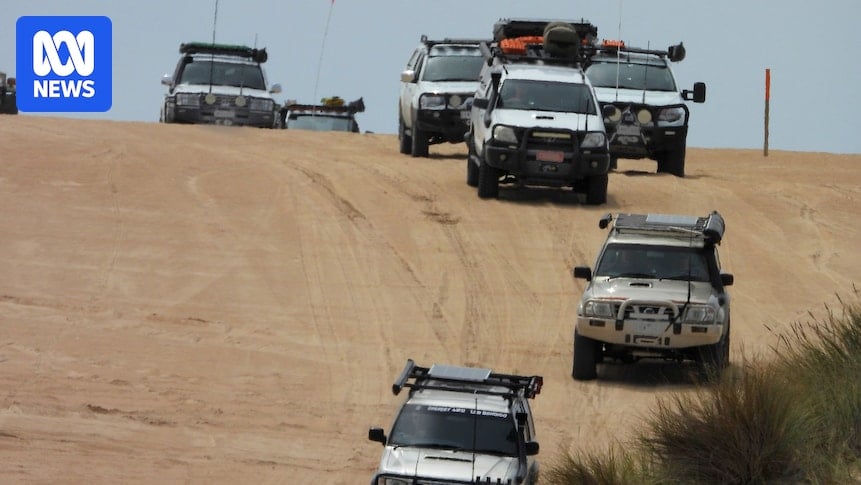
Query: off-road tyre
x=406, y=143
x=596, y=189
x=673, y=161
x=419, y=142
x=713, y=359
x=488, y=181
x=586, y=357
x=472, y=172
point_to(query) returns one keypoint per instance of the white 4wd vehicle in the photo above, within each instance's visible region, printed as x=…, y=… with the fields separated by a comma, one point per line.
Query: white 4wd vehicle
x=436, y=91
x=657, y=291
x=535, y=119
x=219, y=84
x=648, y=117
x=460, y=425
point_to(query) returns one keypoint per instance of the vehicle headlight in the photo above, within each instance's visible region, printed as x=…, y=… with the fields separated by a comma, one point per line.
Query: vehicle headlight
x=593, y=139
x=505, y=134
x=432, y=101
x=392, y=481
x=671, y=115
x=261, y=104
x=188, y=99
x=699, y=314
x=597, y=308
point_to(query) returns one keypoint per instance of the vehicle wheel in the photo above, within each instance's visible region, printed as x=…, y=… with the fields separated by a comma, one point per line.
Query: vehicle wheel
x=673, y=161
x=596, y=189
x=405, y=141
x=715, y=358
x=586, y=356
x=420, y=141
x=488, y=181
x=471, y=173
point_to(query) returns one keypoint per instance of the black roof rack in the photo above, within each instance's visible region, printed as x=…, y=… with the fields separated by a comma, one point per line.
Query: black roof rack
x=432, y=42
x=711, y=227
x=453, y=378
x=520, y=27
x=353, y=107
x=676, y=53
x=256, y=55
x=544, y=41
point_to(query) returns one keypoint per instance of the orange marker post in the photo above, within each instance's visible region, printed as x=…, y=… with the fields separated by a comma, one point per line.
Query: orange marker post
x=767, y=96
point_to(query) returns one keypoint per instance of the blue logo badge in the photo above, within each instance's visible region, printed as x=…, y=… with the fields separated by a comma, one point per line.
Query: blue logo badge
x=64, y=63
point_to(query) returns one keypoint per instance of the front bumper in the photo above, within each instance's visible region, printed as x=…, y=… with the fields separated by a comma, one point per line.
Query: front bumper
x=629, y=138
x=448, y=125
x=547, y=161
x=219, y=114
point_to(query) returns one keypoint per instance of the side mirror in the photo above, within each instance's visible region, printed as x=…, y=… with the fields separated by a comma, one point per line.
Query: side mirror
x=167, y=80
x=276, y=88
x=726, y=279
x=698, y=95
x=377, y=434
x=408, y=76
x=480, y=103
x=583, y=273
x=531, y=448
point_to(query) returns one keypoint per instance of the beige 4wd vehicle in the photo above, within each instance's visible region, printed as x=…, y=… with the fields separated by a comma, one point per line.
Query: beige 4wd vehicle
x=657, y=291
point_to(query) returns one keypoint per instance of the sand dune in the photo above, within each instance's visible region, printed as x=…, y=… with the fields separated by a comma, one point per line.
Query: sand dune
x=204, y=304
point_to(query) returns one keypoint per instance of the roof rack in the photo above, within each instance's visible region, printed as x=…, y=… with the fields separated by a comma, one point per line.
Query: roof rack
x=675, y=53
x=333, y=104
x=431, y=42
x=711, y=227
x=541, y=41
x=234, y=50
x=452, y=378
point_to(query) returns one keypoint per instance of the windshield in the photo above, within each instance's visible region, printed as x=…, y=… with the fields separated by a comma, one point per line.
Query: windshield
x=646, y=261
x=452, y=68
x=319, y=123
x=455, y=428
x=223, y=74
x=631, y=76
x=546, y=96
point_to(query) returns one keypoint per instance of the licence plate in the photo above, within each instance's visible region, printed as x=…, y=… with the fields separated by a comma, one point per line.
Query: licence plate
x=628, y=130
x=649, y=329
x=549, y=156
x=223, y=113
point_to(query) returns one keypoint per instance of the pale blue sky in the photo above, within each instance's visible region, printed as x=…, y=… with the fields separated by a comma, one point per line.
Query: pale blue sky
x=811, y=48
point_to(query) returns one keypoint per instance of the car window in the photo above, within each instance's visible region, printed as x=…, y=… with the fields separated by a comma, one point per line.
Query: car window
x=223, y=74
x=554, y=96
x=631, y=76
x=452, y=68
x=319, y=122
x=455, y=428
x=647, y=261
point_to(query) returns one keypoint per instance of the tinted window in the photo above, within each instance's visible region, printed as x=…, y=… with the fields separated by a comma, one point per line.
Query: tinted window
x=631, y=76
x=455, y=428
x=546, y=96
x=223, y=74
x=319, y=122
x=645, y=261
x=452, y=68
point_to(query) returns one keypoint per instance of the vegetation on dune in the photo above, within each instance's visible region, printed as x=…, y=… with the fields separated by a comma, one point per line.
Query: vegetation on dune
x=795, y=418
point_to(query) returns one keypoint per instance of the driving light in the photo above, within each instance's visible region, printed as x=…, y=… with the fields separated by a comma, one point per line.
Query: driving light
x=240, y=101
x=210, y=98
x=644, y=116
x=615, y=116
x=455, y=101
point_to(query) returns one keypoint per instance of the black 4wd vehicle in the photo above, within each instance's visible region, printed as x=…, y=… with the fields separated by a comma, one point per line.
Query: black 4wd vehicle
x=8, y=100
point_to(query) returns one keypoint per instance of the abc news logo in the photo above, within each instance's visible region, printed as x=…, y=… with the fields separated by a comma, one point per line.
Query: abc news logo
x=64, y=64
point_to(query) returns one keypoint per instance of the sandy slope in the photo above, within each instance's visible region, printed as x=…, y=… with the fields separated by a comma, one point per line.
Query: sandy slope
x=187, y=303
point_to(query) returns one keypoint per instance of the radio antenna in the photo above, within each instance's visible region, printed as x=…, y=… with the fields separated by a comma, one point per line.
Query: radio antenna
x=212, y=56
x=322, y=48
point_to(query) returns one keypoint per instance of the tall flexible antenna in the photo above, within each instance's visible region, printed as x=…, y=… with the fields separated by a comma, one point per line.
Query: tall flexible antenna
x=212, y=55
x=322, y=48
x=646, y=72
x=474, y=435
x=619, y=52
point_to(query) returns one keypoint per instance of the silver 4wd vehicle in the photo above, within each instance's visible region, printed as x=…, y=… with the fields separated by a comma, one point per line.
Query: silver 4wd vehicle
x=648, y=117
x=657, y=291
x=332, y=115
x=460, y=425
x=535, y=119
x=436, y=91
x=8, y=99
x=219, y=84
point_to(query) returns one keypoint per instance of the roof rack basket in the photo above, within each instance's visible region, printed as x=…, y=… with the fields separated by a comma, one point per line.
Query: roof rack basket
x=452, y=378
x=256, y=55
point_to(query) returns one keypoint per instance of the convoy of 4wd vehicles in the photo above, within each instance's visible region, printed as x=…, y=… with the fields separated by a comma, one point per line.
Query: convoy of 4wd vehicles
x=8, y=103
x=539, y=103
